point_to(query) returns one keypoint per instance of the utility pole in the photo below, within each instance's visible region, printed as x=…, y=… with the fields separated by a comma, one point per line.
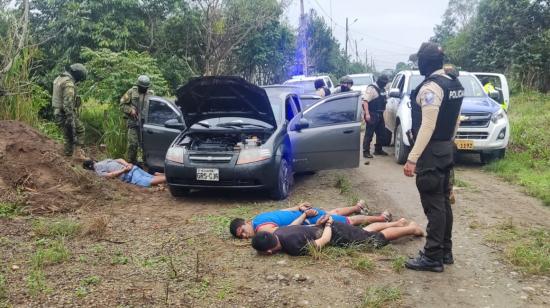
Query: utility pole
x=367, y=58
x=347, y=38
x=302, y=38
x=356, y=52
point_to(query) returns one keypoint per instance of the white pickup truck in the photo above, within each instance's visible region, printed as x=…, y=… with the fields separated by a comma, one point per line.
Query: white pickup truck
x=484, y=126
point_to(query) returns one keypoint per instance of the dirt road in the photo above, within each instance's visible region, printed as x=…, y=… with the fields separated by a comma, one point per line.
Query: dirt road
x=109, y=244
x=478, y=278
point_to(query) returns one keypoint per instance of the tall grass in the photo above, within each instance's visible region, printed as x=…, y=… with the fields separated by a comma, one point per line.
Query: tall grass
x=105, y=124
x=527, y=161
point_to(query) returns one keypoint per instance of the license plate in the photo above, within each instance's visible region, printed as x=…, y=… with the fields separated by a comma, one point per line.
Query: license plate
x=464, y=144
x=208, y=174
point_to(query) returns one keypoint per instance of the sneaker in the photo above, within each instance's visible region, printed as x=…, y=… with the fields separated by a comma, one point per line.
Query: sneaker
x=448, y=258
x=423, y=263
x=380, y=152
x=367, y=155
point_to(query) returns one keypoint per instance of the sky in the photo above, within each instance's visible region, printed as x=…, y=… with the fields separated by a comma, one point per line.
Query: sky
x=389, y=30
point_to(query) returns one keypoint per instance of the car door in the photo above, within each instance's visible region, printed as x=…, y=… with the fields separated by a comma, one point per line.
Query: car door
x=393, y=102
x=500, y=83
x=332, y=138
x=156, y=137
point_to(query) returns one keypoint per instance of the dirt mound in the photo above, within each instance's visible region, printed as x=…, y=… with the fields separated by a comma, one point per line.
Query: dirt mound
x=34, y=173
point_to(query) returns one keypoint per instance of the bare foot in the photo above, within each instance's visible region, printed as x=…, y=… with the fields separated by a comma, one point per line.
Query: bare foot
x=387, y=216
x=402, y=222
x=418, y=231
x=362, y=207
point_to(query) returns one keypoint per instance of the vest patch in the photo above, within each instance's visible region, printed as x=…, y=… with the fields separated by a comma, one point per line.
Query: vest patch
x=454, y=94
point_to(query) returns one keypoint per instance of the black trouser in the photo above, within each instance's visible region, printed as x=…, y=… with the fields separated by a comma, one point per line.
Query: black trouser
x=433, y=175
x=375, y=125
x=345, y=235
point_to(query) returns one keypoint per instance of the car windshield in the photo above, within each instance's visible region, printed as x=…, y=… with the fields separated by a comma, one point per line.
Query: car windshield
x=276, y=104
x=362, y=81
x=469, y=82
x=307, y=85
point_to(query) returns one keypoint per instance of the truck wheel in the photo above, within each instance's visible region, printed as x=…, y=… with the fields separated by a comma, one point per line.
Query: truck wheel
x=401, y=149
x=176, y=191
x=281, y=190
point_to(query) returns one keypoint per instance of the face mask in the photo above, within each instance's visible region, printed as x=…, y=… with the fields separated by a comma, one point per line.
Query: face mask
x=381, y=84
x=142, y=90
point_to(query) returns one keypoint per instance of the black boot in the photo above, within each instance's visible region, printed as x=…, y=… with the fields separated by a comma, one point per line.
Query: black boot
x=380, y=152
x=367, y=154
x=423, y=263
x=448, y=258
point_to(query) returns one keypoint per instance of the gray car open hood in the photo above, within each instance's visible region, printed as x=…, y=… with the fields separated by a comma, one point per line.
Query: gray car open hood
x=223, y=96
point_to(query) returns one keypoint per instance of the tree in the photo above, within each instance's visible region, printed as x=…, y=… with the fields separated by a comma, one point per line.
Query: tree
x=457, y=16
x=16, y=32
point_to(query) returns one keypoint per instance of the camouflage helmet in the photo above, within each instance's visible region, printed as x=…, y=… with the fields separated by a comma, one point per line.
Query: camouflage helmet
x=78, y=71
x=143, y=81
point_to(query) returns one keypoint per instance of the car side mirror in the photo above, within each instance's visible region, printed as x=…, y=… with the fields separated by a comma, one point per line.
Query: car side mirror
x=496, y=96
x=394, y=93
x=302, y=123
x=174, y=124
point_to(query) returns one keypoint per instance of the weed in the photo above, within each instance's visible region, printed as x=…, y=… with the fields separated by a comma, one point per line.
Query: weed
x=81, y=292
x=461, y=183
x=201, y=290
x=529, y=249
x=363, y=265
x=90, y=280
x=153, y=262
x=3, y=288
x=342, y=184
x=97, y=249
x=119, y=259
x=97, y=227
x=56, y=228
x=226, y=291
x=36, y=282
x=9, y=210
x=331, y=252
x=398, y=264
x=54, y=253
x=381, y=296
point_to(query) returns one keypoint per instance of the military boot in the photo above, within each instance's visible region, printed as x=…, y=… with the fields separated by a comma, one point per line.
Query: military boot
x=424, y=263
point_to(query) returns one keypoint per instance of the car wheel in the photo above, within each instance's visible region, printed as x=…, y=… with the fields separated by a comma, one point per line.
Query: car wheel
x=492, y=156
x=178, y=191
x=284, y=181
x=401, y=149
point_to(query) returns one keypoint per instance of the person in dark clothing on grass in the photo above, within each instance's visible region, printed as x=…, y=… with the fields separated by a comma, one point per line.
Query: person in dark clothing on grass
x=296, y=240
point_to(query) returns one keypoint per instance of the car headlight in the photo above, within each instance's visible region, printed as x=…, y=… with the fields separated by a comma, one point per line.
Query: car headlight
x=248, y=156
x=497, y=116
x=175, y=154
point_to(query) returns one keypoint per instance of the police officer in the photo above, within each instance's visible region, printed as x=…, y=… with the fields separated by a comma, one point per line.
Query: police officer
x=132, y=103
x=435, y=106
x=66, y=105
x=374, y=104
x=345, y=85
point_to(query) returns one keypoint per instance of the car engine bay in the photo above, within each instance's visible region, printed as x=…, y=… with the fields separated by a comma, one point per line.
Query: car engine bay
x=222, y=142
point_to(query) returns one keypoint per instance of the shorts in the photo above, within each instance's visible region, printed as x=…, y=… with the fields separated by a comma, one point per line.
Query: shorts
x=346, y=235
x=313, y=220
x=138, y=177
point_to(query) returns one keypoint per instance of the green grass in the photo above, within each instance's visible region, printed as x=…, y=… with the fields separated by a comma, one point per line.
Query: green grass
x=55, y=228
x=526, y=248
x=105, y=125
x=363, y=264
x=119, y=259
x=55, y=252
x=90, y=281
x=527, y=161
x=376, y=296
x=219, y=224
x=398, y=264
x=36, y=282
x=343, y=184
x=9, y=210
x=3, y=289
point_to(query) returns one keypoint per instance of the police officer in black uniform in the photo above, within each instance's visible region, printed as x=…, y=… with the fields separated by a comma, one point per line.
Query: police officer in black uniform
x=374, y=105
x=436, y=104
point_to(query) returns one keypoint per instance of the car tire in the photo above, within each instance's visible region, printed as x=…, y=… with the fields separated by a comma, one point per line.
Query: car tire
x=401, y=149
x=281, y=190
x=177, y=191
x=492, y=156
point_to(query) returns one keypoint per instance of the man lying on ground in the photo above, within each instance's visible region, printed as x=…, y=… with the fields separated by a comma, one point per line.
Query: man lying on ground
x=296, y=240
x=303, y=213
x=113, y=168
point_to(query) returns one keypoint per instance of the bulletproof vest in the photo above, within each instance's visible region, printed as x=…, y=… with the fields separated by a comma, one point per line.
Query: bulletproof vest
x=137, y=101
x=58, y=85
x=453, y=93
x=378, y=104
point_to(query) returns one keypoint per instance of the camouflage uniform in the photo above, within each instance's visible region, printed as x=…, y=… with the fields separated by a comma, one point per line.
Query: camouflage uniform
x=133, y=100
x=66, y=106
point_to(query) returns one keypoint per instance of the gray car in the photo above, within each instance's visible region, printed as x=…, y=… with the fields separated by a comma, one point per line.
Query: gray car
x=233, y=134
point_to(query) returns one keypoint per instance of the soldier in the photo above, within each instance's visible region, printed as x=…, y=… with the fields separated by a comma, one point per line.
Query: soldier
x=132, y=103
x=374, y=104
x=66, y=105
x=345, y=85
x=435, y=105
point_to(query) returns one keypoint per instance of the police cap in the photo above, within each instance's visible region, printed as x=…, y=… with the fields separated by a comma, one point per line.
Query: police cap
x=430, y=50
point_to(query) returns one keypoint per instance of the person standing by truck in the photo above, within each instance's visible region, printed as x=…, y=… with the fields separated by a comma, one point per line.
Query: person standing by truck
x=374, y=104
x=435, y=106
x=132, y=103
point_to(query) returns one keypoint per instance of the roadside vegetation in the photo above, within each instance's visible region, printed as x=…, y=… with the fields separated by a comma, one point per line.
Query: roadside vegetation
x=527, y=161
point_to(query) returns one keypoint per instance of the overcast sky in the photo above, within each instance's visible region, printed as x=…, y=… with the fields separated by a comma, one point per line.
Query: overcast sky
x=390, y=30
